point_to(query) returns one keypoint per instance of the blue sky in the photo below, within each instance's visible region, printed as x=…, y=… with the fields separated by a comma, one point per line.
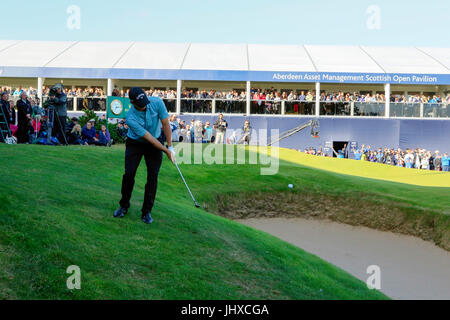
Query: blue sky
x=401, y=22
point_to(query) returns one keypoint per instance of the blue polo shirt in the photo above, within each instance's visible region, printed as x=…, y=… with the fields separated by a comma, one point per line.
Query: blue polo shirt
x=358, y=155
x=141, y=122
x=445, y=161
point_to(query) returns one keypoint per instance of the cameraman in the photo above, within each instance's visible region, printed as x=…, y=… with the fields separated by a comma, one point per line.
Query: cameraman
x=58, y=100
x=221, y=128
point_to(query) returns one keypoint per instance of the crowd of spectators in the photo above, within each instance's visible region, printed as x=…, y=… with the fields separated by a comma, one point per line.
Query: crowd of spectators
x=418, y=158
x=35, y=119
x=197, y=131
x=88, y=135
x=70, y=92
x=341, y=96
x=161, y=93
x=80, y=92
x=29, y=124
x=271, y=94
x=16, y=92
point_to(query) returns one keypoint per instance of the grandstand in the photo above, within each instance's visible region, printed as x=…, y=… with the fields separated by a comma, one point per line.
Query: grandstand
x=369, y=71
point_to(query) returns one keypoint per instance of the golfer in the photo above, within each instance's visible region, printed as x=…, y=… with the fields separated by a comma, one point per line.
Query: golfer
x=144, y=139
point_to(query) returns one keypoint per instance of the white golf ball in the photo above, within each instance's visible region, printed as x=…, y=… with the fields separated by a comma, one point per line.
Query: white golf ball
x=290, y=186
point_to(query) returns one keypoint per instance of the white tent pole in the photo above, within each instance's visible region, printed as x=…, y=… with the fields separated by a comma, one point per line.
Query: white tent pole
x=39, y=89
x=317, y=99
x=109, y=87
x=248, y=97
x=387, y=98
x=179, y=83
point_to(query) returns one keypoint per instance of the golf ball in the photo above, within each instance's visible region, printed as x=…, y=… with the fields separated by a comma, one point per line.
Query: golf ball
x=290, y=186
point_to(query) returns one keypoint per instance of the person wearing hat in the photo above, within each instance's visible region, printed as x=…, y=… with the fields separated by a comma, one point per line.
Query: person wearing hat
x=148, y=123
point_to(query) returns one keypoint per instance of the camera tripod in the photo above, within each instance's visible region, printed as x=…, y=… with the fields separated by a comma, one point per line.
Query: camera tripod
x=51, y=123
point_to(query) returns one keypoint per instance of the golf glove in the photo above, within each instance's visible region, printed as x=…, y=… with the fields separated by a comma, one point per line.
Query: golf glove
x=171, y=149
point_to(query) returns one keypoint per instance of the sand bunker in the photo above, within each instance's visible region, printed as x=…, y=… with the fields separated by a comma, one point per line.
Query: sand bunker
x=410, y=267
x=357, y=211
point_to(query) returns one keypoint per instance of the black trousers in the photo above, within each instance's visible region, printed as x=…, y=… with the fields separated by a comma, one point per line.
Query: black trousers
x=22, y=131
x=134, y=152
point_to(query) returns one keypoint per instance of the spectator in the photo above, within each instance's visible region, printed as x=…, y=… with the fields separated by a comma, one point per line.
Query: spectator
x=358, y=154
x=445, y=162
x=122, y=130
x=24, y=118
x=13, y=118
x=5, y=107
x=72, y=124
x=8, y=109
x=88, y=133
x=339, y=154
x=187, y=134
x=437, y=161
x=409, y=159
x=208, y=132
x=104, y=138
x=232, y=139
x=174, y=127
x=75, y=137
x=38, y=112
x=198, y=131
x=221, y=128
x=246, y=133
x=18, y=92
x=417, y=160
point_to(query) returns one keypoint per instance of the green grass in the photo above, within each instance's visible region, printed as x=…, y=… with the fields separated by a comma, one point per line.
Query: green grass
x=56, y=207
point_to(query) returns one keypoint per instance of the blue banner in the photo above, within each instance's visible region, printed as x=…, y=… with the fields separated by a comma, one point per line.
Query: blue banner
x=226, y=75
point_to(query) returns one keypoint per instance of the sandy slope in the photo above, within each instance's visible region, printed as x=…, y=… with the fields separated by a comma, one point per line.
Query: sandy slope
x=410, y=267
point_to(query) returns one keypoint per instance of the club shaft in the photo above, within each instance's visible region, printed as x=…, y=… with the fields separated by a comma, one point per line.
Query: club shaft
x=187, y=187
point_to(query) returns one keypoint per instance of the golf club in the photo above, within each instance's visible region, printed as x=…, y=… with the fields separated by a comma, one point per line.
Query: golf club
x=192, y=196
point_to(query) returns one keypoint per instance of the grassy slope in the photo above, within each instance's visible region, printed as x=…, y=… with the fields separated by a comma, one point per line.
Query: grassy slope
x=59, y=214
x=56, y=209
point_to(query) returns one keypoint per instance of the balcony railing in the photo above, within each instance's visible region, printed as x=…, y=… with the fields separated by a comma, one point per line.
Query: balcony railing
x=369, y=109
x=70, y=103
x=171, y=104
x=84, y=103
x=266, y=106
x=335, y=108
x=281, y=107
x=402, y=109
x=196, y=105
x=296, y=107
x=436, y=110
x=230, y=106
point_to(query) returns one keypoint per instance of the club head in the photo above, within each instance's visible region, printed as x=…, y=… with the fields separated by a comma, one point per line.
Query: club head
x=197, y=205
